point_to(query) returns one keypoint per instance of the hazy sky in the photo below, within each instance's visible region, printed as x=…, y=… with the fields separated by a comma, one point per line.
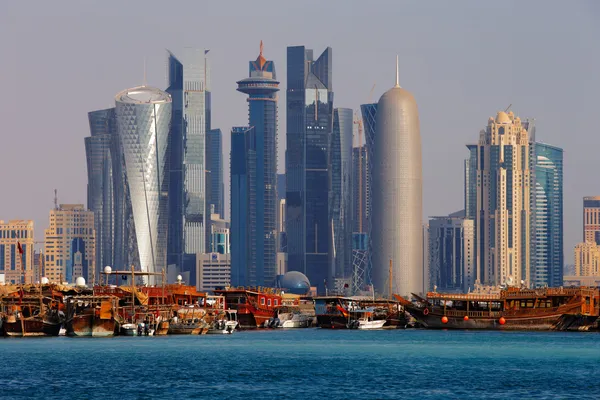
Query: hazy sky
x=463, y=61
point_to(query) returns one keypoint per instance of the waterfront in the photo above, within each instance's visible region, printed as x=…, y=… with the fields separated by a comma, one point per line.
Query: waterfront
x=306, y=363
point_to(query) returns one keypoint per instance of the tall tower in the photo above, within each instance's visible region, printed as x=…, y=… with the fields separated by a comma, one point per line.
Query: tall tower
x=341, y=192
x=189, y=219
x=503, y=202
x=309, y=128
x=397, y=231
x=260, y=262
x=591, y=219
x=143, y=122
x=214, y=163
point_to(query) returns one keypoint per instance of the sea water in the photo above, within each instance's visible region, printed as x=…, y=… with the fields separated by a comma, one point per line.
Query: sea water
x=306, y=364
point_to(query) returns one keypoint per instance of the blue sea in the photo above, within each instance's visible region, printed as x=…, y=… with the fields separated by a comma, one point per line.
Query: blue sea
x=306, y=364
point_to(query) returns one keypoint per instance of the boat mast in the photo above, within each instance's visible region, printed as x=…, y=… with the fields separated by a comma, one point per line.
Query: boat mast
x=390, y=294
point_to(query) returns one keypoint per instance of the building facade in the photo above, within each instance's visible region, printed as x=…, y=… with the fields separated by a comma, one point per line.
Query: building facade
x=502, y=218
x=188, y=217
x=260, y=146
x=547, y=255
x=397, y=194
x=341, y=192
x=591, y=219
x=70, y=244
x=361, y=189
x=100, y=187
x=17, y=264
x=587, y=259
x=213, y=270
x=214, y=163
x=220, y=233
x=143, y=123
x=451, y=253
x=309, y=128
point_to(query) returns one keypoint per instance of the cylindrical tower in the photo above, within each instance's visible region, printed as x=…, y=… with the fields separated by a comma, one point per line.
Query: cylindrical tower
x=397, y=196
x=143, y=121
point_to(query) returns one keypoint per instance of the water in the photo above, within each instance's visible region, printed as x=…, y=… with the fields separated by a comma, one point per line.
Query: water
x=306, y=363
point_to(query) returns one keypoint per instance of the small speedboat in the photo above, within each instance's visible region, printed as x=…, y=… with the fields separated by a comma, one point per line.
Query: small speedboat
x=366, y=323
x=128, y=330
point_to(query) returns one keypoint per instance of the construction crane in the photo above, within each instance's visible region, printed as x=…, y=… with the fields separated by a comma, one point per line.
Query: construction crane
x=371, y=92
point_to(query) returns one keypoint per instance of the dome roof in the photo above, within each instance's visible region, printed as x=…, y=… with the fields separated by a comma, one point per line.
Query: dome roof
x=295, y=282
x=143, y=95
x=502, y=118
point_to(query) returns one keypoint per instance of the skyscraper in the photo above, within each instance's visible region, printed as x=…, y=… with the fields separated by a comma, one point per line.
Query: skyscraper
x=309, y=129
x=189, y=219
x=143, y=122
x=100, y=193
x=591, y=219
x=451, y=258
x=397, y=232
x=17, y=267
x=214, y=163
x=360, y=189
x=260, y=147
x=69, y=244
x=502, y=217
x=341, y=192
x=547, y=256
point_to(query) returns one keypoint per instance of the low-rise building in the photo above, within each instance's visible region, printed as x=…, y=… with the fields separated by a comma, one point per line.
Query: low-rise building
x=212, y=270
x=16, y=251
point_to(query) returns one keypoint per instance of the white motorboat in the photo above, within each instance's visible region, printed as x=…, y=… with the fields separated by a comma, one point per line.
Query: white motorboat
x=367, y=323
x=225, y=326
x=294, y=320
x=128, y=330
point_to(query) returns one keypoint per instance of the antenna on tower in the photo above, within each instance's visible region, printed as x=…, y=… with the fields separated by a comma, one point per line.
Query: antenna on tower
x=145, y=83
x=397, y=73
x=508, y=108
x=55, y=199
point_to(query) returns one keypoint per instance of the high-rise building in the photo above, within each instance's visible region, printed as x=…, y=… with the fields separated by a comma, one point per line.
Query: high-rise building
x=189, y=218
x=502, y=214
x=470, y=177
x=591, y=219
x=143, y=122
x=261, y=147
x=369, y=119
x=341, y=192
x=397, y=194
x=547, y=256
x=70, y=244
x=360, y=189
x=214, y=163
x=451, y=258
x=587, y=259
x=309, y=128
x=219, y=228
x=100, y=192
x=17, y=264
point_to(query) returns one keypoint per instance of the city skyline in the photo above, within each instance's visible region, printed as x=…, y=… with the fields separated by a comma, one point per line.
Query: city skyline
x=529, y=79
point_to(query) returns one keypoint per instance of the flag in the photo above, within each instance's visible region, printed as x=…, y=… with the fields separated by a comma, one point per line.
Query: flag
x=20, y=247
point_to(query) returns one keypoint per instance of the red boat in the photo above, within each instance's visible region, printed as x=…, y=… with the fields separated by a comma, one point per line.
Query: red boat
x=254, y=306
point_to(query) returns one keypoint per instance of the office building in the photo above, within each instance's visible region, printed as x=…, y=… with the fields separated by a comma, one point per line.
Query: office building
x=260, y=148
x=451, y=259
x=547, y=255
x=502, y=213
x=591, y=219
x=70, y=244
x=213, y=270
x=214, y=163
x=220, y=233
x=16, y=265
x=188, y=215
x=143, y=122
x=397, y=193
x=100, y=187
x=587, y=259
x=341, y=192
x=309, y=128
x=360, y=189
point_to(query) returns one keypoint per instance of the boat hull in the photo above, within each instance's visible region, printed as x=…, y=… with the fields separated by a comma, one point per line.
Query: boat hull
x=91, y=326
x=185, y=329
x=332, y=321
x=33, y=327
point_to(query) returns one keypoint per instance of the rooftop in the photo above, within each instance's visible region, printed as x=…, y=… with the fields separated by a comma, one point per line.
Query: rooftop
x=143, y=95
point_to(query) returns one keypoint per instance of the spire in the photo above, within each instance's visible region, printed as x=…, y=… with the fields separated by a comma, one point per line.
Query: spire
x=397, y=74
x=261, y=59
x=261, y=48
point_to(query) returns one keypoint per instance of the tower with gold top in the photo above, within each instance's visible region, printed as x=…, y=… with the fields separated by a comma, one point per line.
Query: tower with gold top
x=254, y=178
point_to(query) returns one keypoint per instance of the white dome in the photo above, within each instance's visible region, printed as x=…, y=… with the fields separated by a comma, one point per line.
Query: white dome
x=45, y=280
x=179, y=278
x=80, y=281
x=107, y=269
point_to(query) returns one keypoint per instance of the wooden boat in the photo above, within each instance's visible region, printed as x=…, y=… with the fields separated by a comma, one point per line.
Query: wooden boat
x=92, y=316
x=254, y=306
x=189, y=321
x=337, y=312
x=511, y=308
x=25, y=314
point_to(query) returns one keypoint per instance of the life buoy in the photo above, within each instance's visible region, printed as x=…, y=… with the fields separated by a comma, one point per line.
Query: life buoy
x=426, y=311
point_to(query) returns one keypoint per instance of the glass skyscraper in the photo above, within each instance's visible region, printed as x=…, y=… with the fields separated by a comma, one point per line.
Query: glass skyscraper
x=189, y=221
x=214, y=162
x=260, y=226
x=341, y=191
x=547, y=215
x=143, y=122
x=309, y=128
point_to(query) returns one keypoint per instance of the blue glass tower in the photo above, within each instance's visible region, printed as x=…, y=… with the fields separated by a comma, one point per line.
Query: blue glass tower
x=260, y=142
x=547, y=215
x=214, y=162
x=309, y=129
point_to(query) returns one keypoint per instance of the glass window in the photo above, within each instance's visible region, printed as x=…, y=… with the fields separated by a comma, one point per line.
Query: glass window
x=269, y=302
x=262, y=301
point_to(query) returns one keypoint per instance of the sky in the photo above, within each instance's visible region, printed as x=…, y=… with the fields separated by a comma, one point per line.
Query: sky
x=462, y=60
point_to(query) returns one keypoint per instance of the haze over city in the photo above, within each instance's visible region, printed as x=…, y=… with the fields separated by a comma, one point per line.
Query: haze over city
x=462, y=61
